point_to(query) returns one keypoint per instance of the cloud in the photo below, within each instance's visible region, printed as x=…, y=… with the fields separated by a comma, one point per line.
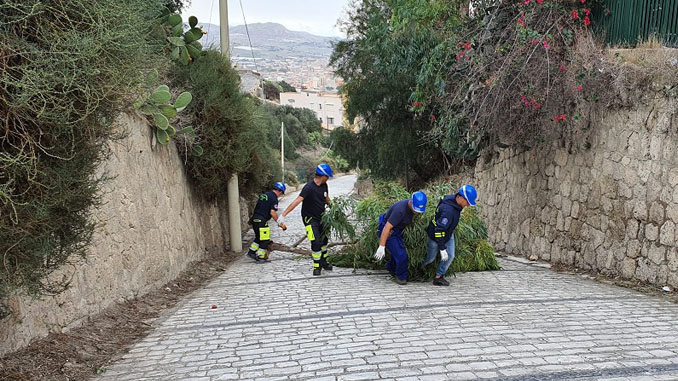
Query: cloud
x=313, y=16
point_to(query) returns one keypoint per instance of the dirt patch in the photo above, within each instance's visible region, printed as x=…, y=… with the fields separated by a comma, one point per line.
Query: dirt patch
x=86, y=351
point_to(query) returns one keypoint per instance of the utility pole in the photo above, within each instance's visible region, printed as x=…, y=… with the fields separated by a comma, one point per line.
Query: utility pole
x=282, y=149
x=223, y=29
x=235, y=233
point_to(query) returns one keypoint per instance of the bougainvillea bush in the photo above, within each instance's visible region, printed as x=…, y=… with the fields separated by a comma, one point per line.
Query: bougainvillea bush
x=520, y=73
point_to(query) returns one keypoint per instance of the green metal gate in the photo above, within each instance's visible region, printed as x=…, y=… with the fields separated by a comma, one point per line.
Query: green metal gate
x=627, y=22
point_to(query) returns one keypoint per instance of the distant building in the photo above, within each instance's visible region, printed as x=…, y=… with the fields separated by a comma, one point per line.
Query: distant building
x=328, y=107
x=250, y=82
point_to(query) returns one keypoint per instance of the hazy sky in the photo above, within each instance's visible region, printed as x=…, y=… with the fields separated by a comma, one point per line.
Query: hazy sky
x=317, y=17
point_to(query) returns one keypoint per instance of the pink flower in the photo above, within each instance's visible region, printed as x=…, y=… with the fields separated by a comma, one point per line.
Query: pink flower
x=535, y=41
x=416, y=104
x=561, y=68
x=540, y=2
x=433, y=118
x=537, y=105
x=587, y=21
x=583, y=1
x=460, y=56
x=526, y=2
x=575, y=14
x=587, y=11
x=579, y=88
x=546, y=45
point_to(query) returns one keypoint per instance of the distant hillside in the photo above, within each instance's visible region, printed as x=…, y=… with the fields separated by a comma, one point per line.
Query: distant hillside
x=271, y=41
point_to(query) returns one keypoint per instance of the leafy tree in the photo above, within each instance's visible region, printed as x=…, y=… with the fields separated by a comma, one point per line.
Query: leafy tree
x=380, y=61
x=343, y=142
x=272, y=90
x=286, y=87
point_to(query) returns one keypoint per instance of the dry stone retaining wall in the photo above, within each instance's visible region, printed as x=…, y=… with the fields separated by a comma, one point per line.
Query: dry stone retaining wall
x=611, y=208
x=152, y=226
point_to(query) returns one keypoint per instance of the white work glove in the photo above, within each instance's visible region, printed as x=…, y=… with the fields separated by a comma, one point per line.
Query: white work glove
x=379, y=255
x=443, y=255
x=281, y=221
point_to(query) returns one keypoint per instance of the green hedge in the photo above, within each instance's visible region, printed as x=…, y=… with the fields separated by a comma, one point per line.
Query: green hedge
x=67, y=67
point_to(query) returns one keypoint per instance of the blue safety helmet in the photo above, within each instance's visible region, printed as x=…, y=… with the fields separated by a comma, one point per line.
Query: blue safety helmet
x=323, y=170
x=280, y=186
x=418, y=201
x=469, y=193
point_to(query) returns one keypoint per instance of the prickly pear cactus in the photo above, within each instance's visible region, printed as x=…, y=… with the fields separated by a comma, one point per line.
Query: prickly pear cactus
x=184, y=46
x=157, y=106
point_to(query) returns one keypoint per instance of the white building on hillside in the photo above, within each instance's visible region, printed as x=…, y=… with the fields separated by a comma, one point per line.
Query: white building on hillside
x=328, y=107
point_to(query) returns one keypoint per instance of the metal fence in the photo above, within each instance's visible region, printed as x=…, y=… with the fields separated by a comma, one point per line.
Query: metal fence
x=627, y=22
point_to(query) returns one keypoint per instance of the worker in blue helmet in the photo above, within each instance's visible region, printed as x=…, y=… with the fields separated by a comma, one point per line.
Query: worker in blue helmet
x=266, y=208
x=391, y=226
x=441, y=230
x=315, y=196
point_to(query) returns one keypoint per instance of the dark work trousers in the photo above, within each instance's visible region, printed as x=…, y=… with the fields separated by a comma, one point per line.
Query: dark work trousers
x=316, y=235
x=399, y=260
x=262, y=237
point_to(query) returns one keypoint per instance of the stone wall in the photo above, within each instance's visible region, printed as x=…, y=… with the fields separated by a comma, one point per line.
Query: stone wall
x=152, y=226
x=611, y=208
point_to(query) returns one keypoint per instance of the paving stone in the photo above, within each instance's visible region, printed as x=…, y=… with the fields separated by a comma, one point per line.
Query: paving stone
x=523, y=322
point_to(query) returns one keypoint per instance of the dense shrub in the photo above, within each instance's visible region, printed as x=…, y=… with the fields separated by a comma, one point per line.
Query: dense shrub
x=66, y=68
x=226, y=128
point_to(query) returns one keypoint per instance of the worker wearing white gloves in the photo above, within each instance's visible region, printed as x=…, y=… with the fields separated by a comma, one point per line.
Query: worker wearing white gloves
x=441, y=230
x=391, y=225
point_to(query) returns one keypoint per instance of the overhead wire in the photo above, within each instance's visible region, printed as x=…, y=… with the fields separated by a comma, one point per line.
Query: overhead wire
x=209, y=24
x=247, y=30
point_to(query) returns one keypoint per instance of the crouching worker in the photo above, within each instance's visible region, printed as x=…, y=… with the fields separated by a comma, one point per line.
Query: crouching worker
x=441, y=230
x=391, y=226
x=266, y=208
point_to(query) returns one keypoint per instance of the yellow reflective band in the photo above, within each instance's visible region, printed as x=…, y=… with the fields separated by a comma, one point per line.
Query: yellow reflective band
x=254, y=246
x=316, y=255
x=439, y=235
x=262, y=253
x=309, y=233
x=324, y=248
x=265, y=233
x=316, y=264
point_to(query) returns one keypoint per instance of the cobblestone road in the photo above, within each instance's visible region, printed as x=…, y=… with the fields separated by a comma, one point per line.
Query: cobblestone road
x=277, y=321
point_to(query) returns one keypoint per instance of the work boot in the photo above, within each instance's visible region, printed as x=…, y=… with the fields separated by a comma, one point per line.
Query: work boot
x=325, y=265
x=316, y=271
x=263, y=260
x=440, y=282
x=252, y=255
x=401, y=282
